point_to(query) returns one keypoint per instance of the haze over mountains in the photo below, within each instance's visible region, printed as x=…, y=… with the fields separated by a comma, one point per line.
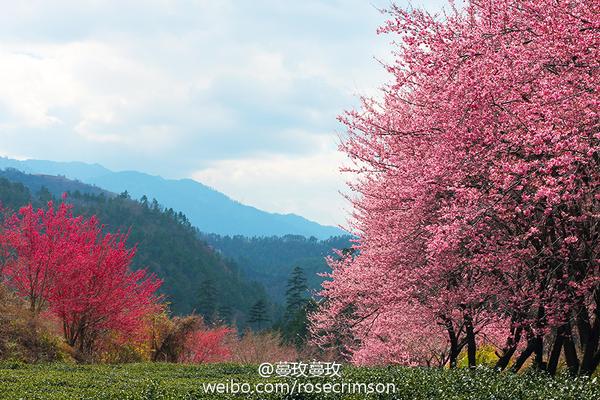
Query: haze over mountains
x=207, y=209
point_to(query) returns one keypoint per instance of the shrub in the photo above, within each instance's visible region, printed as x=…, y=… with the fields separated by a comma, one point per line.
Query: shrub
x=206, y=346
x=254, y=348
x=169, y=335
x=485, y=355
x=24, y=337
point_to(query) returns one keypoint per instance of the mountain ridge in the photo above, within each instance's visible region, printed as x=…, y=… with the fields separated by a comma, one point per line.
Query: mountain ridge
x=208, y=209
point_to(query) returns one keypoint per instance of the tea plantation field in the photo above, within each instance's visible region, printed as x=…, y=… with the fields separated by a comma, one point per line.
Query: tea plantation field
x=172, y=381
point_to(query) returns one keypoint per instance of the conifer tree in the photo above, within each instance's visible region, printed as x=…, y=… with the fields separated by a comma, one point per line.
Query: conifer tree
x=295, y=324
x=207, y=301
x=296, y=292
x=258, y=314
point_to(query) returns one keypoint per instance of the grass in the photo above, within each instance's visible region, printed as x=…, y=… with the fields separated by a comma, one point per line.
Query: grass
x=175, y=381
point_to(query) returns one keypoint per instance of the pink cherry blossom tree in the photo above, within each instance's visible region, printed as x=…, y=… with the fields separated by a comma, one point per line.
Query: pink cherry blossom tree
x=477, y=198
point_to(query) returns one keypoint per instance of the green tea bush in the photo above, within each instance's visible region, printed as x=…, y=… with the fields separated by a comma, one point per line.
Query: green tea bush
x=175, y=381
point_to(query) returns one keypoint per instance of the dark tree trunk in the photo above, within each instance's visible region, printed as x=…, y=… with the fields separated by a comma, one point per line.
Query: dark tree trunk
x=556, y=349
x=589, y=363
x=535, y=345
x=509, y=349
x=454, y=350
x=583, y=325
x=590, y=347
x=538, y=362
x=453, y=353
x=571, y=353
x=525, y=354
x=471, y=344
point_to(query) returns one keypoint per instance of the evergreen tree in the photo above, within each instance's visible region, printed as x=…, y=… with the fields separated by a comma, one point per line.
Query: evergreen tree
x=207, y=301
x=258, y=314
x=296, y=292
x=295, y=323
x=44, y=195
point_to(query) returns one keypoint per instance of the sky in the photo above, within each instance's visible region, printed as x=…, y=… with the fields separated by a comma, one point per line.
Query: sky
x=241, y=95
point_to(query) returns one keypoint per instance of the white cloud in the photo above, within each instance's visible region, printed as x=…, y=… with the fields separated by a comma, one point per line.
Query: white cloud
x=93, y=81
x=307, y=186
x=244, y=94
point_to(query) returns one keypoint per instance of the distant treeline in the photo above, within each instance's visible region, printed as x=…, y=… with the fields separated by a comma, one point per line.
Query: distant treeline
x=271, y=260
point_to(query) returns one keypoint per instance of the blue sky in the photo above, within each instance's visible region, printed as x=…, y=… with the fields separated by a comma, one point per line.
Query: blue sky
x=240, y=95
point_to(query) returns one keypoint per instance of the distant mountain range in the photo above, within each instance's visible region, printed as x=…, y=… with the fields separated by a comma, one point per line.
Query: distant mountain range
x=207, y=209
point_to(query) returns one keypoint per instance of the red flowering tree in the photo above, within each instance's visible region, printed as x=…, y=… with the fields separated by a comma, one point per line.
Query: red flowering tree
x=477, y=191
x=80, y=274
x=102, y=294
x=36, y=244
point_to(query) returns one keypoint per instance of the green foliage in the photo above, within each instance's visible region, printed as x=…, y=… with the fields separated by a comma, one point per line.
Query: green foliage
x=13, y=194
x=294, y=325
x=258, y=314
x=207, y=302
x=224, y=314
x=175, y=381
x=168, y=245
x=296, y=291
x=271, y=260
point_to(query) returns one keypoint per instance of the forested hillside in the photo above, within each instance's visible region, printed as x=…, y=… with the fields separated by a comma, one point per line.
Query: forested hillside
x=55, y=184
x=270, y=260
x=167, y=243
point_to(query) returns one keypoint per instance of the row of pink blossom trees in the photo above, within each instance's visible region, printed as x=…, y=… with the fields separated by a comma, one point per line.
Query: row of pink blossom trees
x=478, y=193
